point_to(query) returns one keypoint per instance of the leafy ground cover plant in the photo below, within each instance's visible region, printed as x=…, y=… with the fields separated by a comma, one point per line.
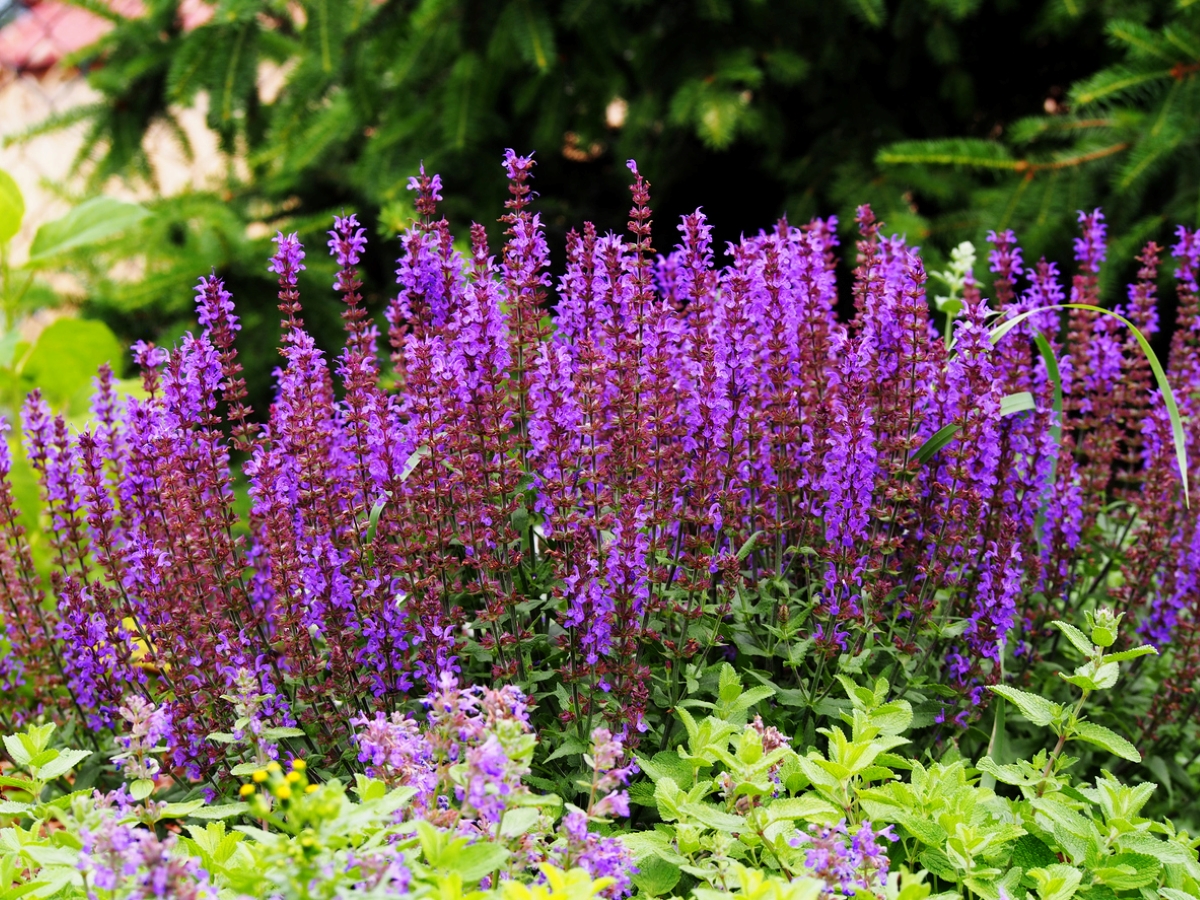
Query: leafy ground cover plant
x=864, y=816
x=441, y=809
x=678, y=462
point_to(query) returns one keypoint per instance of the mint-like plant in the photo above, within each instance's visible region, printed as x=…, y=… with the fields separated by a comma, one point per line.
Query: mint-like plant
x=1099, y=671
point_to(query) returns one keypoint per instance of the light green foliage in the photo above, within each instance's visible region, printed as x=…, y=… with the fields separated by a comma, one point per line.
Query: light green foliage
x=1052, y=838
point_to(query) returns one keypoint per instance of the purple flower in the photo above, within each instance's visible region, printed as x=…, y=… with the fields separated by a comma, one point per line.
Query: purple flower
x=287, y=262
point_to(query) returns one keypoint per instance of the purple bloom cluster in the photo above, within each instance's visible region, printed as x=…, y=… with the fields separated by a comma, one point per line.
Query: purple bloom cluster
x=576, y=490
x=119, y=857
x=847, y=861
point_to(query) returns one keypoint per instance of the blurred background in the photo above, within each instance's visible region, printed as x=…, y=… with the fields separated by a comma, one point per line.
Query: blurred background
x=151, y=141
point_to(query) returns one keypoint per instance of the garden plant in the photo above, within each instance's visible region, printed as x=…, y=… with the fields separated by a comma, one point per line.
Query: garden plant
x=656, y=576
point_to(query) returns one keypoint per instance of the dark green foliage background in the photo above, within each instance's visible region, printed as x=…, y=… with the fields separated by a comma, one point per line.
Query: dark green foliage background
x=751, y=109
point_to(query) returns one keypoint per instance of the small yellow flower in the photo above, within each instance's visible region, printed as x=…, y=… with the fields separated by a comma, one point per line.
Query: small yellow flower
x=310, y=789
x=246, y=790
x=259, y=776
x=284, y=791
x=274, y=767
x=299, y=765
x=293, y=777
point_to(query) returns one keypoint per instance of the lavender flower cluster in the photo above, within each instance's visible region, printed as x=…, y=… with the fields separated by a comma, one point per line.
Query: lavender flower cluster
x=848, y=862
x=468, y=764
x=574, y=492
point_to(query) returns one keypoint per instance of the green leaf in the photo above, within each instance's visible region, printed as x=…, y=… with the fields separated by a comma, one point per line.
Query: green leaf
x=1131, y=653
x=477, y=860
x=751, y=697
x=717, y=819
x=63, y=763
x=16, y=749
x=14, y=808
x=12, y=207
x=67, y=356
x=1031, y=852
x=1128, y=871
x=283, y=731
x=141, y=789
x=220, y=811
x=655, y=877
x=1081, y=641
x=1035, y=708
x=88, y=223
x=181, y=810
x=517, y=822
x=936, y=442
x=807, y=807
x=1021, y=401
x=1107, y=739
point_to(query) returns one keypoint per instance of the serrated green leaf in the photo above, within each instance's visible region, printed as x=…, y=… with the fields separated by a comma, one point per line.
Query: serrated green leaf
x=1035, y=708
x=751, y=697
x=1107, y=739
x=1031, y=852
x=16, y=749
x=1131, y=653
x=655, y=876
x=63, y=763
x=1081, y=641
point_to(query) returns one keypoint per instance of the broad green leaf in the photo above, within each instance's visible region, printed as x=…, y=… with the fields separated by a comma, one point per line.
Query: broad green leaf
x=141, y=789
x=1031, y=852
x=477, y=860
x=517, y=822
x=808, y=807
x=283, y=731
x=717, y=819
x=1035, y=708
x=655, y=877
x=67, y=356
x=1056, y=882
x=1107, y=739
x=88, y=223
x=1128, y=871
x=752, y=696
x=16, y=749
x=12, y=207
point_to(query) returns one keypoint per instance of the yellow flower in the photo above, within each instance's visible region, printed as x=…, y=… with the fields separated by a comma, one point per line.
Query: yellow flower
x=299, y=765
x=274, y=767
x=293, y=777
x=259, y=776
x=246, y=790
x=576, y=884
x=310, y=789
x=284, y=791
